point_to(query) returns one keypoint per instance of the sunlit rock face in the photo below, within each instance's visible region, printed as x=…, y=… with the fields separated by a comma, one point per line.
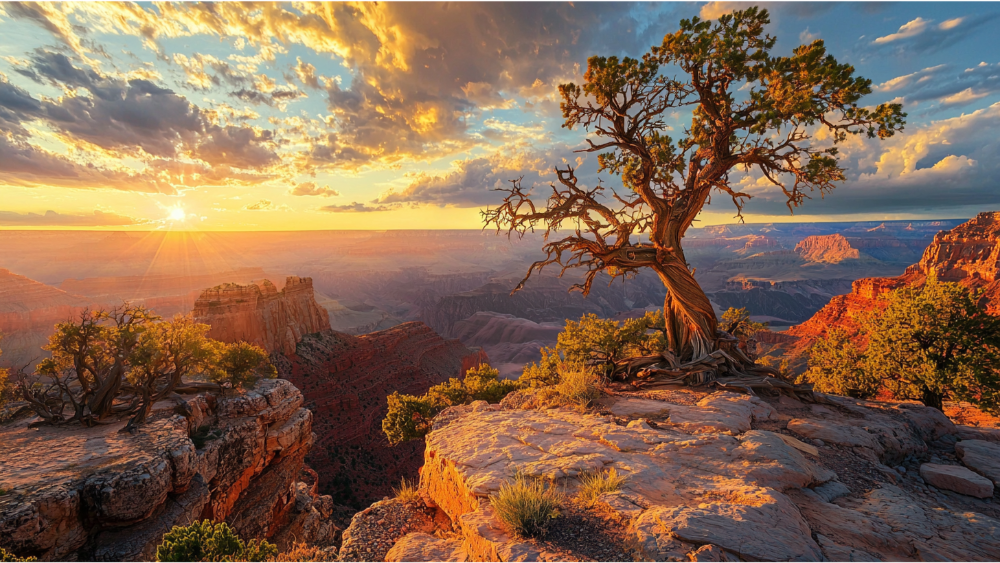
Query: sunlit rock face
x=734, y=476
x=830, y=248
x=98, y=494
x=968, y=254
x=260, y=314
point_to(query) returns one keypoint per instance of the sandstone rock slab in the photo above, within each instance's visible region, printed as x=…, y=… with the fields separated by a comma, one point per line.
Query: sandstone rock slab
x=982, y=457
x=957, y=478
x=420, y=546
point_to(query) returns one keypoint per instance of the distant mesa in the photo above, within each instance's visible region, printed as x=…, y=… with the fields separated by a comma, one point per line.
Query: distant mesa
x=968, y=254
x=260, y=314
x=831, y=249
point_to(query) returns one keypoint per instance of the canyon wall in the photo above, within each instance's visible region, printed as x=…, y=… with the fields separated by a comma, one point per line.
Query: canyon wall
x=260, y=314
x=346, y=379
x=968, y=254
x=98, y=494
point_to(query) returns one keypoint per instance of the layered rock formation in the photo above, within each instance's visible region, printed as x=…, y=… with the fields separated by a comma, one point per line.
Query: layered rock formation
x=260, y=314
x=968, y=254
x=509, y=342
x=830, y=248
x=97, y=494
x=346, y=379
x=711, y=476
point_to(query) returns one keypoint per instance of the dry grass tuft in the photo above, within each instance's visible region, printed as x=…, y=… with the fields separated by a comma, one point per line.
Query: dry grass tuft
x=526, y=506
x=595, y=483
x=407, y=492
x=578, y=385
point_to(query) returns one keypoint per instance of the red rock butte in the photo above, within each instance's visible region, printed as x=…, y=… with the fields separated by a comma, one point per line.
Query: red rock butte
x=969, y=254
x=260, y=314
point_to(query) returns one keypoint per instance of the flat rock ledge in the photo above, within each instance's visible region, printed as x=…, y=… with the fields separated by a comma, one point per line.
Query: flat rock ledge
x=705, y=482
x=102, y=495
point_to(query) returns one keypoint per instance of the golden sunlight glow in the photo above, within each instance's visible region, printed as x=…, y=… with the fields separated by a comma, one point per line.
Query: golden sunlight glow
x=176, y=214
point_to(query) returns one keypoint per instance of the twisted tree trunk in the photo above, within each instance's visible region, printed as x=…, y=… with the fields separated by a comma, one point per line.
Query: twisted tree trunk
x=688, y=316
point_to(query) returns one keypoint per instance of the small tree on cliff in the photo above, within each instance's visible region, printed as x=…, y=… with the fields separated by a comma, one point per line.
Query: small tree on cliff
x=931, y=343
x=751, y=111
x=121, y=362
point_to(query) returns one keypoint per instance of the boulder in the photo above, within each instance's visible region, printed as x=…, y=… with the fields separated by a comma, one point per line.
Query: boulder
x=956, y=478
x=982, y=457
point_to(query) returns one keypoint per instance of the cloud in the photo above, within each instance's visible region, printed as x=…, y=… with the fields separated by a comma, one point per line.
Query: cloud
x=310, y=188
x=355, y=207
x=104, y=118
x=472, y=182
x=52, y=219
x=419, y=71
x=262, y=205
x=940, y=168
x=924, y=36
x=943, y=84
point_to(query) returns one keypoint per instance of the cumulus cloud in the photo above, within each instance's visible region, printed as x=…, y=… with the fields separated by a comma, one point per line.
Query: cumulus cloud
x=926, y=36
x=52, y=219
x=945, y=84
x=946, y=164
x=310, y=188
x=419, y=70
x=355, y=207
x=473, y=181
x=104, y=117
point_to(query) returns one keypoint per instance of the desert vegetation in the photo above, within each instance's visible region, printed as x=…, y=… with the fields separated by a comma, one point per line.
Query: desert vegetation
x=210, y=541
x=526, y=505
x=931, y=343
x=593, y=484
x=752, y=111
x=8, y=557
x=118, y=363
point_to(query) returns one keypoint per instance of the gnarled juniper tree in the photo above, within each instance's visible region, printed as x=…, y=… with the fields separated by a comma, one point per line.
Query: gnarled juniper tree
x=751, y=111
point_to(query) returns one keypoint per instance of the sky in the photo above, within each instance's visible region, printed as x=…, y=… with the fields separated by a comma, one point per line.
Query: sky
x=302, y=116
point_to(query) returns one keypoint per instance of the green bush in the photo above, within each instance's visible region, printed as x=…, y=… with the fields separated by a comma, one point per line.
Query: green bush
x=209, y=541
x=8, y=557
x=242, y=364
x=410, y=416
x=930, y=343
x=595, y=483
x=602, y=342
x=527, y=506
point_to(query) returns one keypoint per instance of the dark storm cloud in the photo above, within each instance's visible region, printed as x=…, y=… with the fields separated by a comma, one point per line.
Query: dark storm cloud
x=52, y=219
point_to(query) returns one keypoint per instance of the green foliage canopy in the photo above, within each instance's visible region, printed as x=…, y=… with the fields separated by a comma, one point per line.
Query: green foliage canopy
x=930, y=343
x=208, y=541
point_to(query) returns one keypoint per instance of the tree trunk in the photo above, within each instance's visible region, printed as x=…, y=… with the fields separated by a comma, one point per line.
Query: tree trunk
x=688, y=315
x=932, y=399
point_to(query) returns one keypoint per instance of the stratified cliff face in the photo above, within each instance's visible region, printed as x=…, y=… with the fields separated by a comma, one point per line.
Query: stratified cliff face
x=260, y=314
x=830, y=248
x=97, y=494
x=968, y=254
x=346, y=379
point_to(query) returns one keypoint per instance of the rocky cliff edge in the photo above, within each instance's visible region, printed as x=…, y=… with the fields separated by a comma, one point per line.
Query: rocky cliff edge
x=712, y=477
x=102, y=495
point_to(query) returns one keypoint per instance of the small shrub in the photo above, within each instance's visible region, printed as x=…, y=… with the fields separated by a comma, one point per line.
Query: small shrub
x=209, y=541
x=8, y=557
x=595, y=483
x=242, y=364
x=410, y=416
x=407, y=492
x=526, y=506
x=578, y=385
x=300, y=552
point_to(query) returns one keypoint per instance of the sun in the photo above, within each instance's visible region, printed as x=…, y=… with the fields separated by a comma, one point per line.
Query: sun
x=176, y=214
